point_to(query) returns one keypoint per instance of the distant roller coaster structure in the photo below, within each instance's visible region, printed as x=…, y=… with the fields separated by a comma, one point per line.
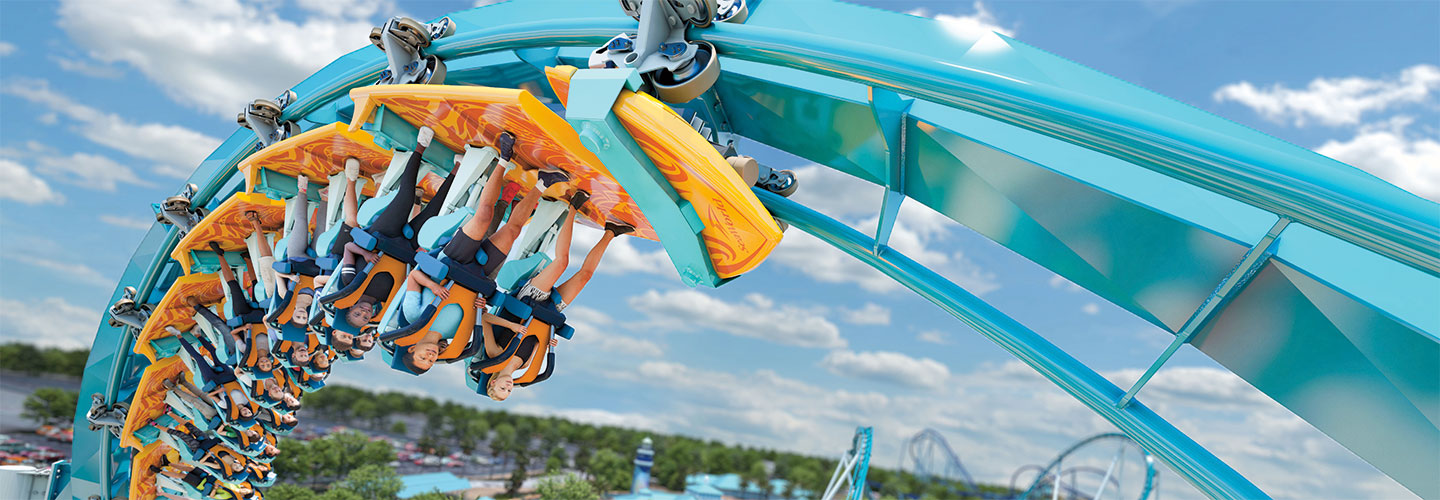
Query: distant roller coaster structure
x=931, y=458
x=1077, y=472
x=1301, y=275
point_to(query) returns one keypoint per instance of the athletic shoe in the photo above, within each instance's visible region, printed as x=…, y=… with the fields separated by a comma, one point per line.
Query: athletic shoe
x=619, y=228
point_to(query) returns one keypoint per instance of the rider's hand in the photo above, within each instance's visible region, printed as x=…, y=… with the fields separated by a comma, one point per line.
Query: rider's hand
x=480, y=302
x=440, y=291
x=371, y=257
x=554, y=341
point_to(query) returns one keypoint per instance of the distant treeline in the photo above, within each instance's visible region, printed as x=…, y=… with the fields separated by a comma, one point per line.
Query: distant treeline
x=28, y=359
x=602, y=452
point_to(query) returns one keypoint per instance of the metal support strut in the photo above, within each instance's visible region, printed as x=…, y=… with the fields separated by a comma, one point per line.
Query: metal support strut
x=1228, y=288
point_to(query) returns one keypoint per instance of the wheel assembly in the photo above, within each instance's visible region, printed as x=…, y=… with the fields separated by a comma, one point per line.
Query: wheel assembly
x=692, y=80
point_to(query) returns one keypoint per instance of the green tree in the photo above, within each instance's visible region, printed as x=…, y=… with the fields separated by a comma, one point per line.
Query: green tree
x=373, y=482
x=518, y=475
x=64, y=362
x=287, y=491
x=571, y=488
x=49, y=405
x=556, y=460
x=23, y=358
x=340, y=494
x=434, y=495
x=805, y=476
x=296, y=462
x=609, y=471
x=398, y=427
x=505, y=441
x=471, y=431
x=757, y=477
x=360, y=409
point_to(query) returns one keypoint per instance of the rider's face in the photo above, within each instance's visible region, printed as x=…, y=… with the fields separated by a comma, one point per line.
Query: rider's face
x=302, y=310
x=359, y=314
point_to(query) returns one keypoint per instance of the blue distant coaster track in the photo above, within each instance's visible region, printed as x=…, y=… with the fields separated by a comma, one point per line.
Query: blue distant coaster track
x=1310, y=279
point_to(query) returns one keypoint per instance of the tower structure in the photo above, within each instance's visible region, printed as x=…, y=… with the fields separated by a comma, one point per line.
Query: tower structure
x=644, y=459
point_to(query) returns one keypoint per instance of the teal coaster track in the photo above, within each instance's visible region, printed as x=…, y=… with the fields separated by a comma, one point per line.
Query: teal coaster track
x=1108, y=474
x=1310, y=279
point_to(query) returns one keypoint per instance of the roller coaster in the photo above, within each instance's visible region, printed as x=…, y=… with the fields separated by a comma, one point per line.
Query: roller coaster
x=1310, y=279
x=1093, y=468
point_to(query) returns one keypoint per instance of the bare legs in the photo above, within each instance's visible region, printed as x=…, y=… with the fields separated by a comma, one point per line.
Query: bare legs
x=550, y=275
x=297, y=236
x=571, y=287
x=478, y=225
x=547, y=278
x=266, y=257
x=505, y=237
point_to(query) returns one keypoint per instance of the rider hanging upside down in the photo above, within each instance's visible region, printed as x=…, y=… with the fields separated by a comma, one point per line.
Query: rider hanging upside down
x=402, y=212
x=211, y=452
x=277, y=392
x=500, y=332
x=240, y=304
x=464, y=248
x=342, y=340
x=297, y=244
x=251, y=348
x=228, y=393
x=197, y=478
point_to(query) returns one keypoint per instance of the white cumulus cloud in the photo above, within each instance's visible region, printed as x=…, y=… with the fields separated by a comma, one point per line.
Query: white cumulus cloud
x=919, y=233
x=75, y=271
x=933, y=337
x=127, y=222
x=48, y=322
x=625, y=255
x=91, y=171
x=87, y=68
x=756, y=316
x=870, y=314
x=888, y=366
x=176, y=149
x=968, y=27
x=596, y=327
x=19, y=184
x=218, y=55
x=1391, y=153
x=1334, y=101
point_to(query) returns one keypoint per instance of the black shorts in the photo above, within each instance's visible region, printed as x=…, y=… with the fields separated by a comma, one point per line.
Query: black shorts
x=504, y=336
x=463, y=249
x=345, y=274
x=241, y=305
x=380, y=288
x=337, y=247
x=196, y=478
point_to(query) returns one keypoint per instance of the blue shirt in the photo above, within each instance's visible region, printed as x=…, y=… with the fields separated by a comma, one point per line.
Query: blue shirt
x=447, y=319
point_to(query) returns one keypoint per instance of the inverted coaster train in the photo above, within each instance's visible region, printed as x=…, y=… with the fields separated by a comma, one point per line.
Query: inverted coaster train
x=1312, y=280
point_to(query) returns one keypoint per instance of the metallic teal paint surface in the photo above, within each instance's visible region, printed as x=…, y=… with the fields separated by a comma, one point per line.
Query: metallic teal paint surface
x=1210, y=475
x=592, y=93
x=1340, y=327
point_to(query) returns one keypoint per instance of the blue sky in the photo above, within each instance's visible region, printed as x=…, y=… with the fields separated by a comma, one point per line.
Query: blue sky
x=105, y=106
